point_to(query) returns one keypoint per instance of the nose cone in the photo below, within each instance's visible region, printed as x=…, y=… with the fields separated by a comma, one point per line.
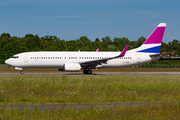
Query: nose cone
x=7, y=62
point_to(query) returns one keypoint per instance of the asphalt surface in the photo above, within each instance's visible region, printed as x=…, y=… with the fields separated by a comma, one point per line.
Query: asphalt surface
x=76, y=106
x=99, y=73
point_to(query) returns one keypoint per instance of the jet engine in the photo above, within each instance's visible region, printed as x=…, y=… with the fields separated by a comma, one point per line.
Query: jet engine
x=70, y=67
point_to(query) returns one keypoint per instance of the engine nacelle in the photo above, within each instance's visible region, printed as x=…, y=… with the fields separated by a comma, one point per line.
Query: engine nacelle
x=71, y=67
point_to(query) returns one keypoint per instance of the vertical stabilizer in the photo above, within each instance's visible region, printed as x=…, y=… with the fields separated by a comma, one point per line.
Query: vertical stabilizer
x=153, y=42
x=157, y=35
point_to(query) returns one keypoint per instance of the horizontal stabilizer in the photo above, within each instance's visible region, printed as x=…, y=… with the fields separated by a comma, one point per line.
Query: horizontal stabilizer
x=161, y=53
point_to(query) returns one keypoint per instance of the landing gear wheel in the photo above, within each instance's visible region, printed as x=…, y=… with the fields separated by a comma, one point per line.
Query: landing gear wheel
x=22, y=72
x=87, y=71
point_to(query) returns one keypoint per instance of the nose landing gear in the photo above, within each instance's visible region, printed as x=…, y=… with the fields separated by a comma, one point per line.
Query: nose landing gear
x=22, y=72
x=87, y=71
x=17, y=68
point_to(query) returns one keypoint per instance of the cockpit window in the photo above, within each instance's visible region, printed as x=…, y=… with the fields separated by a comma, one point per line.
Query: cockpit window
x=15, y=57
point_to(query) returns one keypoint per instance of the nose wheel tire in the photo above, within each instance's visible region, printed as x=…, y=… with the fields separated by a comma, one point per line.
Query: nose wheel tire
x=22, y=72
x=87, y=71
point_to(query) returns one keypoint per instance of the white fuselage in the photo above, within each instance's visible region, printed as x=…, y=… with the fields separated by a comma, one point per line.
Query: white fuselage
x=58, y=59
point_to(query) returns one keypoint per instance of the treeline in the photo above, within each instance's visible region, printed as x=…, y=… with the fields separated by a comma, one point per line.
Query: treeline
x=13, y=45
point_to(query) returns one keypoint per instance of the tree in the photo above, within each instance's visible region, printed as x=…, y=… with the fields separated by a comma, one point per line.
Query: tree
x=70, y=45
x=5, y=35
x=96, y=45
x=174, y=46
x=33, y=42
x=83, y=43
x=111, y=47
x=97, y=40
x=29, y=35
x=61, y=44
x=164, y=47
x=120, y=43
x=106, y=40
x=140, y=41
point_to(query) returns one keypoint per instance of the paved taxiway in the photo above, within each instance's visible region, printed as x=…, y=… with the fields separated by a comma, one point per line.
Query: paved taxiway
x=99, y=73
x=76, y=106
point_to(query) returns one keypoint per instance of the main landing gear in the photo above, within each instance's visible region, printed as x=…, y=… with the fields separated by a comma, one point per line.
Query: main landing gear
x=87, y=71
x=22, y=72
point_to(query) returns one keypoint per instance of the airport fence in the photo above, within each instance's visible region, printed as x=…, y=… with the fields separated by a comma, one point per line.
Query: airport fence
x=159, y=66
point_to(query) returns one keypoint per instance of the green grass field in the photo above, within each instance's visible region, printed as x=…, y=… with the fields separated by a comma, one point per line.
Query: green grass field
x=40, y=89
x=18, y=89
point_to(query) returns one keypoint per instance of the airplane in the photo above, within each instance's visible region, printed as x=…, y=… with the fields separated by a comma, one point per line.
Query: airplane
x=76, y=61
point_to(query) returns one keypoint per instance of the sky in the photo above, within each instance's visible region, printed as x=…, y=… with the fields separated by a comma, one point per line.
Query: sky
x=71, y=19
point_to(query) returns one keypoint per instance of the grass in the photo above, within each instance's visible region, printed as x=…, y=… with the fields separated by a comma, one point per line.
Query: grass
x=24, y=89
x=151, y=112
x=36, y=89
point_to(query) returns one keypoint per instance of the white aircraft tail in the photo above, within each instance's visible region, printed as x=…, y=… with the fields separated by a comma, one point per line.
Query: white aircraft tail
x=153, y=43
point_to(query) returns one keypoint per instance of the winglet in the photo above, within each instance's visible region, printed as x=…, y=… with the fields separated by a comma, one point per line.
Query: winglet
x=97, y=50
x=124, y=51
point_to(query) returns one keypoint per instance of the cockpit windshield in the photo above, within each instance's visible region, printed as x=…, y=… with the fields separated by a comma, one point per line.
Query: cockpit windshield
x=15, y=57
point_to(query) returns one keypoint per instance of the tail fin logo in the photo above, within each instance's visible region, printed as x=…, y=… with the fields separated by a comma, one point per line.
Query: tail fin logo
x=153, y=43
x=157, y=36
x=151, y=50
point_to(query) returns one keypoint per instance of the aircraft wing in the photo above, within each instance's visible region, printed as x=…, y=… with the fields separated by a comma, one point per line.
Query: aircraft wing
x=100, y=61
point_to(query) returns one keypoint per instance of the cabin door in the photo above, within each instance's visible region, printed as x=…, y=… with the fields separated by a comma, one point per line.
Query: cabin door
x=138, y=59
x=26, y=58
